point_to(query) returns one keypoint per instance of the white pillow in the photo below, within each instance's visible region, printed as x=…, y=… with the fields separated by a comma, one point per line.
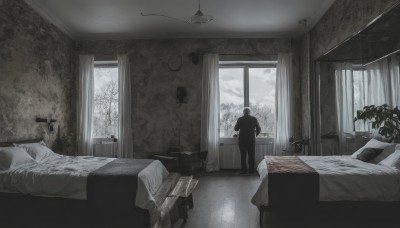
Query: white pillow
x=13, y=156
x=392, y=160
x=37, y=151
x=385, y=153
x=373, y=143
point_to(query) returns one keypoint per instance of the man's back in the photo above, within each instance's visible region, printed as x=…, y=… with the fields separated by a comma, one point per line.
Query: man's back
x=248, y=127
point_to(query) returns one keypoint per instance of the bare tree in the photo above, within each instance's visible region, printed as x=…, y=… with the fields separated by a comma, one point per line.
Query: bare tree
x=106, y=111
x=229, y=113
x=266, y=117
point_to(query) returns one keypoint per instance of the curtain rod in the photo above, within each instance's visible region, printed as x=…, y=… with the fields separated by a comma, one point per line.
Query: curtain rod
x=238, y=54
x=376, y=59
x=345, y=60
x=388, y=55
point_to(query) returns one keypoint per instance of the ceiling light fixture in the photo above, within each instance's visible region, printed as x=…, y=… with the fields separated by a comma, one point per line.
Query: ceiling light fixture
x=198, y=18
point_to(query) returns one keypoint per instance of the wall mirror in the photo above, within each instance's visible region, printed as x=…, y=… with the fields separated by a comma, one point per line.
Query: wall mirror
x=364, y=70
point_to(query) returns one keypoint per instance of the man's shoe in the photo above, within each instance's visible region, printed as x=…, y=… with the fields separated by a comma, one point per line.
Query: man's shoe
x=243, y=172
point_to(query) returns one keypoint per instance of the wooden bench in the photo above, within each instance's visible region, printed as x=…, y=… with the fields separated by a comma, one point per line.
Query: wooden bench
x=183, y=191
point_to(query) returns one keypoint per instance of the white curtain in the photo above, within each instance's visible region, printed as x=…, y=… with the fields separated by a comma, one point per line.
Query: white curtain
x=125, y=147
x=209, y=138
x=85, y=104
x=344, y=102
x=395, y=81
x=378, y=83
x=360, y=83
x=283, y=104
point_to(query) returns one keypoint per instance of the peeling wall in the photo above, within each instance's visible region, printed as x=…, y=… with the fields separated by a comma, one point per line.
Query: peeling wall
x=304, y=58
x=158, y=122
x=344, y=19
x=35, y=75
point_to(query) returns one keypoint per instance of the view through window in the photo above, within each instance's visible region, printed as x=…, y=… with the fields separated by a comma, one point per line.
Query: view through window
x=247, y=85
x=105, y=110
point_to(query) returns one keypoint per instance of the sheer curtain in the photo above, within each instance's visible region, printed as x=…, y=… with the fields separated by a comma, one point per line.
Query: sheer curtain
x=378, y=83
x=209, y=138
x=283, y=104
x=395, y=81
x=85, y=104
x=344, y=102
x=125, y=147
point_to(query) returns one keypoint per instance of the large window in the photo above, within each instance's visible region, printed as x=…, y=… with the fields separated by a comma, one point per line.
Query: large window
x=105, y=109
x=250, y=84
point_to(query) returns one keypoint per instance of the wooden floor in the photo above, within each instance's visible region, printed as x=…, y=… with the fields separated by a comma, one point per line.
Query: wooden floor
x=223, y=200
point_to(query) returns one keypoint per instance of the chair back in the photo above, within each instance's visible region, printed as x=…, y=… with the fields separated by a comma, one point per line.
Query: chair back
x=203, y=155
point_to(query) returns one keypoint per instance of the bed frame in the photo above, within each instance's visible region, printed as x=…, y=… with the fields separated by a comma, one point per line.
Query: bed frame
x=21, y=210
x=6, y=144
x=333, y=208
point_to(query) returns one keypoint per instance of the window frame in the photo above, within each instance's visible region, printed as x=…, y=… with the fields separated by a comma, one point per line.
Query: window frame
x=103, y=64
x=245, y=65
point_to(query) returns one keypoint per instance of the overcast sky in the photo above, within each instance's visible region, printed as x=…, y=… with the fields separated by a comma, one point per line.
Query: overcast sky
x=103, y=76
x=262, y=85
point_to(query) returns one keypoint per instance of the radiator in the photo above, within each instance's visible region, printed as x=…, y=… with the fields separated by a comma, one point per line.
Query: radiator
x=229, y=153
x=105, y=148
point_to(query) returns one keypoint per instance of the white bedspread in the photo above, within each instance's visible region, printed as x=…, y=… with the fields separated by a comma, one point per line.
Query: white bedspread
x=66, y=177
x=343, y=178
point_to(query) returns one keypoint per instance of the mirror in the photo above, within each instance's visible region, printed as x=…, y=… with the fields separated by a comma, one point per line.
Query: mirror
x=367, y=65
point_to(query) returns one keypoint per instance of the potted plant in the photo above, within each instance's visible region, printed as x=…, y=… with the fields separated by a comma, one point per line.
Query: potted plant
x=384, y=118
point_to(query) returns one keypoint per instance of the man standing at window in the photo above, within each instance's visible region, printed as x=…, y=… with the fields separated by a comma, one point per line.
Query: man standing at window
x=248, y=128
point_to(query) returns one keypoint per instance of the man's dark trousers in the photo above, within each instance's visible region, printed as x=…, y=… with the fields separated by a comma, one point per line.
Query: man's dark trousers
x=247, y=147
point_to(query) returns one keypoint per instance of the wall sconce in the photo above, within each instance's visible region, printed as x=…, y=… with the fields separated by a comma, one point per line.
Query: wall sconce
x=50, y=122
x=181, y=95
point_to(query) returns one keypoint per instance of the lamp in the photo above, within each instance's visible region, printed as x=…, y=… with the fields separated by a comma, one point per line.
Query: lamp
x=50, y=122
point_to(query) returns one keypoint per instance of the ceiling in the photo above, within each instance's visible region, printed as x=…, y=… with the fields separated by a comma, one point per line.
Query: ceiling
x=121, y=19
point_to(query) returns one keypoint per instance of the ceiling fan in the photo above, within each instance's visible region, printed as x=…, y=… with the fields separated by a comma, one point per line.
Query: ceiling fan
x=198, y=18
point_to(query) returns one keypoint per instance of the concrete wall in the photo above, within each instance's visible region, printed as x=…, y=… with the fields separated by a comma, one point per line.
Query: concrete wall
x=344, y=19
x=158, y=122
x=35, y=75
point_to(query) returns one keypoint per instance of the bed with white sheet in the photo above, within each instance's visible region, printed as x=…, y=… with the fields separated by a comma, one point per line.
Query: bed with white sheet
x=370, y=175
x=343, y=178
x=90, y=183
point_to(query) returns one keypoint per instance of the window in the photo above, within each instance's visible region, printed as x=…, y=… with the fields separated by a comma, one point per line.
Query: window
x=247, y=84
x=105, y=109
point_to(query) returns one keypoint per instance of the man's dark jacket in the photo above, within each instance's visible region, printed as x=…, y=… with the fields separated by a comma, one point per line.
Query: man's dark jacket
x=249, y=127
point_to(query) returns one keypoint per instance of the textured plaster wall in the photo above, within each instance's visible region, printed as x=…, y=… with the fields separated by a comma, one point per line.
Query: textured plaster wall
x=304, y=58
x=158, y=122
x=344, y=19
x=35, y=74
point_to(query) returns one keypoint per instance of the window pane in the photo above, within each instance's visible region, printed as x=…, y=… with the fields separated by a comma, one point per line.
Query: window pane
x=262, y=98
x=231, y=99
x=105, y=112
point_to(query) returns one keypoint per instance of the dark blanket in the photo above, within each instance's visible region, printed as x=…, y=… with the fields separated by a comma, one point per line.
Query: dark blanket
x=291, y=182
x=113, y=186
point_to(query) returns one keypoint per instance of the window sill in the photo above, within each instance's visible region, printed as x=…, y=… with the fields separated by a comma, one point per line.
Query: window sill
x=259, y=140
x=103, y=140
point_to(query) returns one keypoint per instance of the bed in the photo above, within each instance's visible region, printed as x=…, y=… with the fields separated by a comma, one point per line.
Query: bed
x=314, y=182
x=81, y=190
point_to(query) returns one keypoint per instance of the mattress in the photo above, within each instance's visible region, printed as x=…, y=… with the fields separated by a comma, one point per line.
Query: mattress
x=66, y=177
x=342, y=178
